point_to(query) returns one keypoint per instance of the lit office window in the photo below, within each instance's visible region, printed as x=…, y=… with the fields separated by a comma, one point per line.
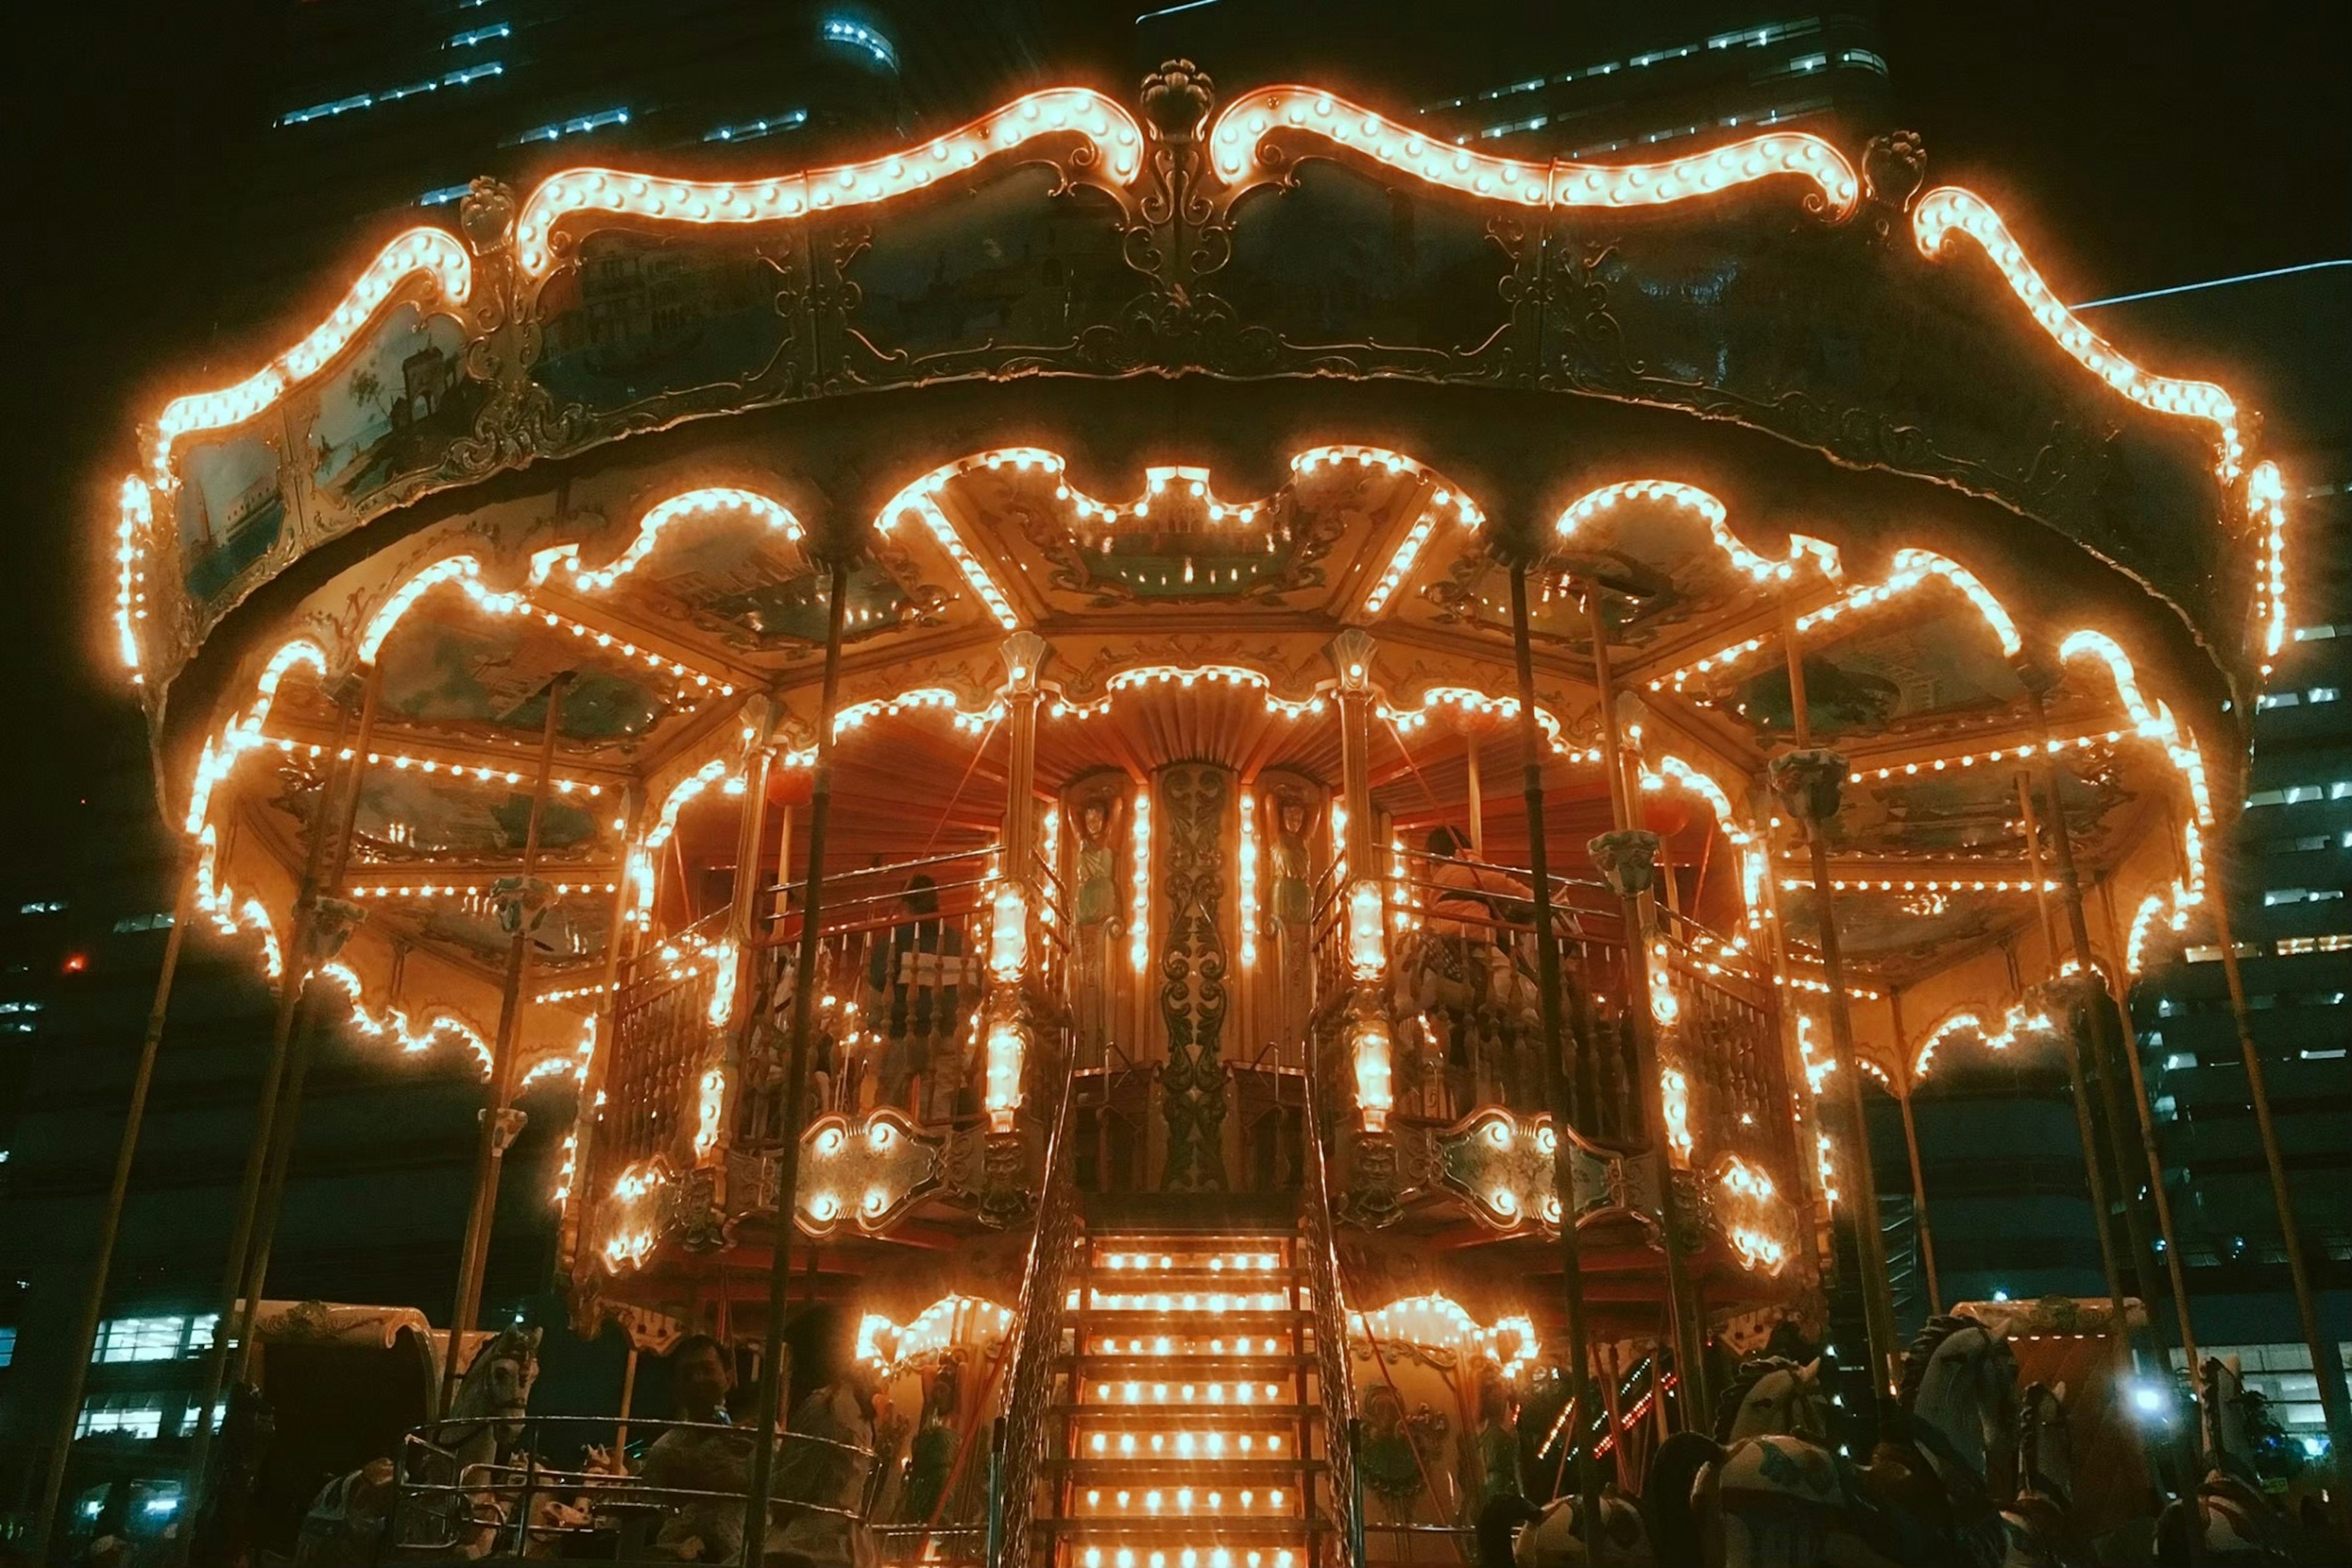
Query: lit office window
x=471, y=37
x=145, y=1339
x=104, y=1415
x=160, y=920
x=752, y=130
x=579, y=126
x=8, y=1343
x=443, y=195
x=858, y=35
x=392, y=94
x=43, y=907
x=1864, y=59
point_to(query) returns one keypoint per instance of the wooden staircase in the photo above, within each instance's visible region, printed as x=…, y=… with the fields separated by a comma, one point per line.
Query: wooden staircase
x=1188, y=1428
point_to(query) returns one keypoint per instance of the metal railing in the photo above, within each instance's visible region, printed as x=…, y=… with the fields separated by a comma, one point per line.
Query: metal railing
x=1330, y=1321
x=1460, y=942
x=553, y=1496
x=1028, y=1394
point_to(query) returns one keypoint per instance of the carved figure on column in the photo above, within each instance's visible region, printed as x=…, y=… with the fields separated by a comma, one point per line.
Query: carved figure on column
x=1094, y=915
x=1291, y=908
x=1193, y=994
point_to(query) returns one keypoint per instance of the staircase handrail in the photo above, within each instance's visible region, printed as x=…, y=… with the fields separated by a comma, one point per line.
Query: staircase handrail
x=1045, y=1294
x=1330, y=1337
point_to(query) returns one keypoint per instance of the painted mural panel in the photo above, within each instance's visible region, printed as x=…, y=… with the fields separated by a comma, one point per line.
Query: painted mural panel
x=446, y=668
x=393, y=408
x=1010, y=265
x=1345, y=259
x=232, y=508
x=640, y=317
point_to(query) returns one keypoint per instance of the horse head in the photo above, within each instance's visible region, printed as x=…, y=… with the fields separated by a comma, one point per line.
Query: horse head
x=495, y=1394
x=1770, y=1396
x=1959, y=1385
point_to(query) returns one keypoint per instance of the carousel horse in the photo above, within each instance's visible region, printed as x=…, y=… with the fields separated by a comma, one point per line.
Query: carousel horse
x=1792, y=1498
x=2039, y=1519
x=2230, y=1519
x=1768, y=1394
x=464, y=1514
x=1555, y=1537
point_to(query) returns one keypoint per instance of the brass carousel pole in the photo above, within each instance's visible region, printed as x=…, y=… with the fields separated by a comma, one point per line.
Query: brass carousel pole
x=1684, y=1329
x=764, y=1454
x=291, y=976
x=2327, y=1363
x=2174, y=1273
x=1548, y=980
x=2095, y=1154
x=85, y=1340
x=297, y=1068
x=496, y=1129
x=1905, y=1081
x=584, y=1119
x=1861, y=1209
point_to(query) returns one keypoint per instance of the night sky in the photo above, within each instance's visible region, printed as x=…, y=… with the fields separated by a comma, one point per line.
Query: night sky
x=2131, y=146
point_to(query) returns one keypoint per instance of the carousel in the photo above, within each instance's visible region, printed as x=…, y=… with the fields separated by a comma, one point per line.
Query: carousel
x=1267, y=790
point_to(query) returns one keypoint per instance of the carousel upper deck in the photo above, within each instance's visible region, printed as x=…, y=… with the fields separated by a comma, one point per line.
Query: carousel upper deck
x=1206, y=665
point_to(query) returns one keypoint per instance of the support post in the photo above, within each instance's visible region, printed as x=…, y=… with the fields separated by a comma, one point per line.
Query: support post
x=619, y=934
x=93, y=1305
x=1548, y=984
x=2327, y=1363
x=498, y=1125
x=2176, y=1276
x=2097, y=1048
x=1905, y=1083
x=764, y=1454
x=1810, y=783
x=321, y=933
x=257, y=1164
x=1632, y=875
x=1477, y=794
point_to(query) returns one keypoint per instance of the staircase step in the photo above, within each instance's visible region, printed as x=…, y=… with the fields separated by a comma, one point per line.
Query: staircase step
x=1170, y=1469
x=1173, y=1416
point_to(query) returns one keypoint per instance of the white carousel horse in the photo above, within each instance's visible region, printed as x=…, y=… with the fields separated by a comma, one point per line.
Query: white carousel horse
x=464, y=1514
x=2042, y=1532
x=1768, y=1394
x=1789, y=1500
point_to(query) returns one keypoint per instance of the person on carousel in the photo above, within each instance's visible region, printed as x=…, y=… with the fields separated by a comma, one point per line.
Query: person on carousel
x=704, y=1456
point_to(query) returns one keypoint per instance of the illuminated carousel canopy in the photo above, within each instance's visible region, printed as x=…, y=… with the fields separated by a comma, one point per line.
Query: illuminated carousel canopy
x=1175, y=463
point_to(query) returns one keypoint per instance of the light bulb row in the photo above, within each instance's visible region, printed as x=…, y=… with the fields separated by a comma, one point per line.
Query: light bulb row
x=1214, y=1263
x=1948, y=208
x=435, y=253
x=1184, y=1444
x=1117, y=146
x=1187, y=1557
x=1928, y=885
x=1140, y=1392
x=1154, y=1500
x=1166, y=1345
x=1189, y=1301
x=1236, y=141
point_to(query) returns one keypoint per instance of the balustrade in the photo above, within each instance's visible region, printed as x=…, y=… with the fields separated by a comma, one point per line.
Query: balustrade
x=910, y=955
x=1448, y=945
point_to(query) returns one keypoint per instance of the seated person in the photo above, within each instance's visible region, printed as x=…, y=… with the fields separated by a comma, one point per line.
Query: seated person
x=701, y=1458
x=1468, y=898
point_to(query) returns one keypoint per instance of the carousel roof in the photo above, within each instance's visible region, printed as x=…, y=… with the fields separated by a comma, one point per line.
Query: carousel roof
x=1187, y=393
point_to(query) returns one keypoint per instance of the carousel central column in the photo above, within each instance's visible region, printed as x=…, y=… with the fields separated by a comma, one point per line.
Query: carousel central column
x=1810, y=784
x=1627, y=860
x=1014, y=915
x=1558, y=1074
x=1361, y=896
